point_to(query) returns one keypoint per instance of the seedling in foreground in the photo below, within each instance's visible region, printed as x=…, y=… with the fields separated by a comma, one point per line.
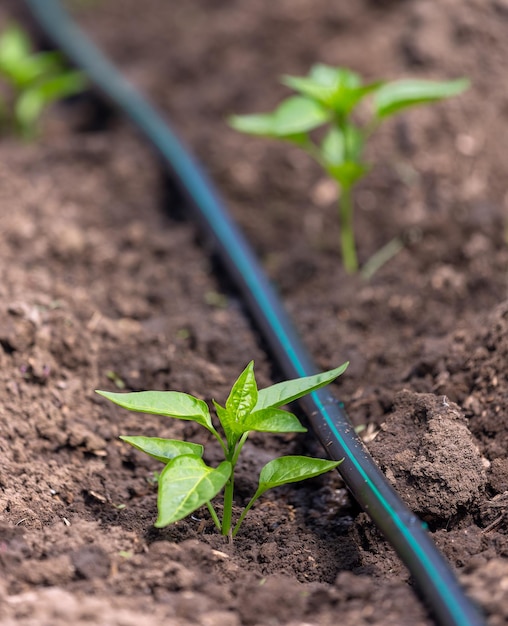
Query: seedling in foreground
x=32, y=81
x=329, y=97
x=187, y=483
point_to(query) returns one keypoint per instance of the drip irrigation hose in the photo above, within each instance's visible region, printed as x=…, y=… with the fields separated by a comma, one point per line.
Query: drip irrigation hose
x=406, y=533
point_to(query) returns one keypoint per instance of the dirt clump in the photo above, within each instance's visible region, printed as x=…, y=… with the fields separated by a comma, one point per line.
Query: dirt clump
x=428, y=453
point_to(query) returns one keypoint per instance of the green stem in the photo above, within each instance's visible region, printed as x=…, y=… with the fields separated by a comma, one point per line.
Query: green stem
x=347, y=236
x=228, y=505
x=245, y=511
x=239, y=447
x=232, y=456
x=214, y=515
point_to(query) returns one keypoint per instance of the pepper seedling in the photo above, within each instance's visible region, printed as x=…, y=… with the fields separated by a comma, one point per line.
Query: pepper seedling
x=33, y=81
x=186, y=483
x=329, y=97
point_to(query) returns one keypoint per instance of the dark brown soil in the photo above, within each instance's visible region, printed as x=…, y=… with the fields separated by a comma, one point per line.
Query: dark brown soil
x=98, y=282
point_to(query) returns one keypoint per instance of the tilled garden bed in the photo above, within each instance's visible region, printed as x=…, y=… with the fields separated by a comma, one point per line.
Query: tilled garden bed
x=101, y=286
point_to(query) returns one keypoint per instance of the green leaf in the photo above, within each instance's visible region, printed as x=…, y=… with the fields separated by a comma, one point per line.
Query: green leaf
x=163, y=449
x=227, y=423
x=14, y=45
x=292, y=117
x=27, y=71
x=19, y=64
x=168, y=403
x=242, y=399
x=285, y=392
x=33, y=100
x=62, y=86
x=345, y=87
x=297, y=115
x=185, y=484
x=310, y=88
x=345, y=100
x=256, y=124
x=221, y=413
x=45, y=63
x=243, y=396
x=330, y=86
x=401, y=94
x=292, y=469
x=336, y=88
x=335, y=77
x=273, y=421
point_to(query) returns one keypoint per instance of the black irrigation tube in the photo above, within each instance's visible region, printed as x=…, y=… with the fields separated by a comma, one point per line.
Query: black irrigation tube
x=407, y=534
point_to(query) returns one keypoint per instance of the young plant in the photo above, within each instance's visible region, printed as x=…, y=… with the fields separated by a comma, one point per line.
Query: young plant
x=187, y=482
x=31, y=81
x=329, y=97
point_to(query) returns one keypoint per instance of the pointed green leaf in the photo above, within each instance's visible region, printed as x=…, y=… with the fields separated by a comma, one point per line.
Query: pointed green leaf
x=292, y=469
x=345, y=100
x=345, y=87
x=62, y=86
x=228, y=424
x=168, y=403
x=257, y=124
x=335, y=77
x=298, y=115
x=243, y=396
x=24, y=72
x=285, y=392
x=33, y=100
x=14, y=45
x=336, y=88
x=45, y=64
x=163, y=449
x=310, y=88
x=292, y=117
x=185, y=484
x=273, y=421
x=241, y=401
x=401, y=94
x=222, y=413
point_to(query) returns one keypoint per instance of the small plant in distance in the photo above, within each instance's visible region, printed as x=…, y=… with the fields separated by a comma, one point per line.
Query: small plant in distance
x=187, y=482
x=31, y=81
x=329, y=97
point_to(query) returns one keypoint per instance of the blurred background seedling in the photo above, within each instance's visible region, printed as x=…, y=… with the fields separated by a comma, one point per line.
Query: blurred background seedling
x=30, y=82
x=328, y=98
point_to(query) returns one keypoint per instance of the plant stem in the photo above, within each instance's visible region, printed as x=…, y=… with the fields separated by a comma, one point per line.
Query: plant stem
x=228, y=505
x=245, y=511
x=232, y=455
x=347, y=236
x=239, y=447
x=214, y=515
